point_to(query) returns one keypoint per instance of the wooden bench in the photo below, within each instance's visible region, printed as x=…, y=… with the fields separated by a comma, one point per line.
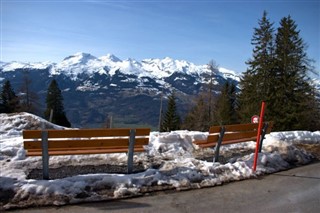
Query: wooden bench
x=230, y=134
x=46, y=143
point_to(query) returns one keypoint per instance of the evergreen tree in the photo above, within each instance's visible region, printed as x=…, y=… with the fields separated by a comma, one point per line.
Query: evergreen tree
x=54, y=101
x=9, y=100
x=292, y=99
x=257, y=80
x=171, y=120
x=197, y=118
x=225, y=107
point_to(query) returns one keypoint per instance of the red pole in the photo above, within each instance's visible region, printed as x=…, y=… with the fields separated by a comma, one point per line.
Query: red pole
x=258, y=136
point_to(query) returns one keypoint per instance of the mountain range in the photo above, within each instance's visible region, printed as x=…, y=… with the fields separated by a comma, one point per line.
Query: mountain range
x=95, y=88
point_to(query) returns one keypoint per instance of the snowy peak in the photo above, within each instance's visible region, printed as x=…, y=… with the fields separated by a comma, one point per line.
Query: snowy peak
x=78, y=59
x=229, y=74
x=77, y=64
x=110, y=58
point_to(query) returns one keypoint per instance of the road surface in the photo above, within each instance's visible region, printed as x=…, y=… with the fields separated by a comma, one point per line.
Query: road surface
x=295, y=190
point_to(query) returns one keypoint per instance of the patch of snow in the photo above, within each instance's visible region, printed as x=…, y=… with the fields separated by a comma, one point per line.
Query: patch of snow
x=229, y=74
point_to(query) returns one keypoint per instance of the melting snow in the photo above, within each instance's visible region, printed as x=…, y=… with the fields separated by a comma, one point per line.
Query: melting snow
x=179, y=169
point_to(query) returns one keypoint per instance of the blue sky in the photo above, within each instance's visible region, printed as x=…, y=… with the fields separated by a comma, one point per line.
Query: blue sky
x=194, y=30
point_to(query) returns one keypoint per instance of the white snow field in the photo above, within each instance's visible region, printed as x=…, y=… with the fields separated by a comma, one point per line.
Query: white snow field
x=178, y=168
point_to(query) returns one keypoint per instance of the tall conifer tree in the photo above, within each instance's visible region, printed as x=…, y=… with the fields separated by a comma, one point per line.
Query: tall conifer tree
x=257, y=80
x=292, y=95
x=171, y=120
x=9, y=100
x=54, y=102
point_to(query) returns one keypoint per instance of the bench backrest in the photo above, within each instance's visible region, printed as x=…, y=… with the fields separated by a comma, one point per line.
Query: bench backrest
x=84, y=141
x=233, y=134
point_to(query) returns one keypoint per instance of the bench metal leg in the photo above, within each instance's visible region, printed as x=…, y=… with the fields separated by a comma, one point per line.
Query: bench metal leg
x=216, y=154
x=131, y=150
x=45, y=155
x=264, y=131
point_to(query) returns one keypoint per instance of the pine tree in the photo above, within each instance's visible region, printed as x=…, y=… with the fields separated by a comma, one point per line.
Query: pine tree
x=171, y=120
x=9, y=100
x=257, y=80
x=225, y=108
x=292, y=98
x=197, y=118
x=54, y=101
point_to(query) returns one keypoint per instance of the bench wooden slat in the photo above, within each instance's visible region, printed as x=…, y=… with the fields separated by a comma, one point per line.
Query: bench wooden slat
x=228, y=136
x=208, y=145
x=239, y=135
x=214, y=129
x=213, y=138
x=213, y=144
x=85, y=151
x=85, y=148
x=241, y=127
x=84, y=133
x=234, y=128
x=241, y=140
x=85, y=143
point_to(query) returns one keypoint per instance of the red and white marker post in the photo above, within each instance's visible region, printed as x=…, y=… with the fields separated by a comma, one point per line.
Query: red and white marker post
x=258, y=136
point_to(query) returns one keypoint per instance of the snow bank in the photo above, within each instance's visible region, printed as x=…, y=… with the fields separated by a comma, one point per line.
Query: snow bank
x=179, y=166
x=13, y=124
x=297, y=136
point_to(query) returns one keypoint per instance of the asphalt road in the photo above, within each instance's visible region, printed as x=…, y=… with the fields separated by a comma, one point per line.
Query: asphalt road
x=295, y=190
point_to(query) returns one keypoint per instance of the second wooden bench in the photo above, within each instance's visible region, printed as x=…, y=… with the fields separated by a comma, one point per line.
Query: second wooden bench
x=230, y=134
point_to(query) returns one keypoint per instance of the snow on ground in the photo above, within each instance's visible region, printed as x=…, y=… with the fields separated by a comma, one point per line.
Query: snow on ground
x=179, y=169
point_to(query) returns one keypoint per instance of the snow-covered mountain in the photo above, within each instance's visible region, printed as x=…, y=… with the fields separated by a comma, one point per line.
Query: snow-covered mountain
x=85, y=63
x=94, y=87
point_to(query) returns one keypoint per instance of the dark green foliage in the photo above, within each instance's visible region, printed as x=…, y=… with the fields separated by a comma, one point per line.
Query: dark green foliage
x=54, y=101
x=225, y=107
x=292, y=95
x=171, y=120
x=212, y=110
x=198, y=118
x=257, y=80
x=9, y=102
x=223, y=110
x=201, y=115
x=278, y=74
